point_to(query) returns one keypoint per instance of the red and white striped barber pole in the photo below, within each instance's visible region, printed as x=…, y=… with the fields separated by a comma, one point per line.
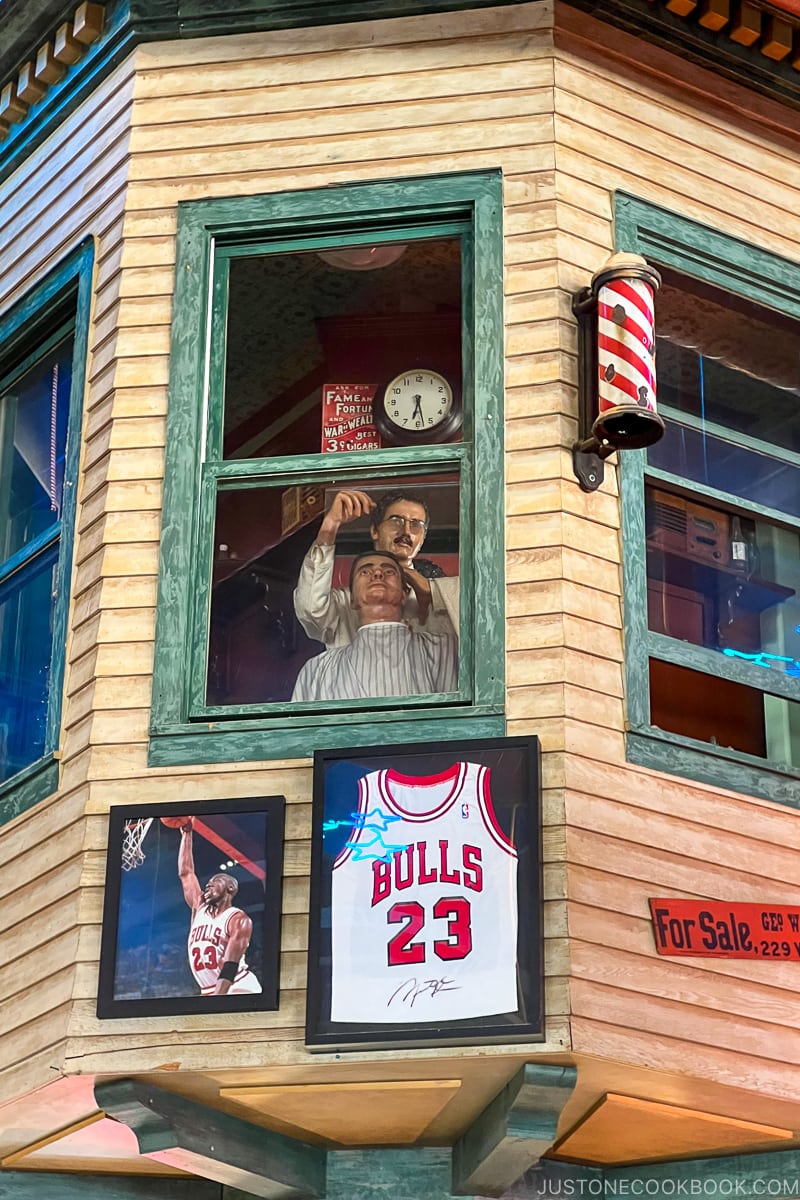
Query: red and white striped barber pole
x=627, y=416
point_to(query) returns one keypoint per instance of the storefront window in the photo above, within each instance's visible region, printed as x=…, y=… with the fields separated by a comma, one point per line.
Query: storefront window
x=350, y=386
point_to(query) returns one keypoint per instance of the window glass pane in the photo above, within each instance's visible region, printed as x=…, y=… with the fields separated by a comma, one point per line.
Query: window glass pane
x=707, y=458
x=723, y=580
x=725, y=360
x=25, y=646
x=723, y=713
x=33, y=436
x=313, y=336
x=732, y=369
x=262, y=634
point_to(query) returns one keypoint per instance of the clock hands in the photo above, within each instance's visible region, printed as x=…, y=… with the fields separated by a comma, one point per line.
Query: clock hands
x=417, y=407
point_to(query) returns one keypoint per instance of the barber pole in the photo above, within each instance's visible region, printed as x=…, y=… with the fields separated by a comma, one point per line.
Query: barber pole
x=627, y=415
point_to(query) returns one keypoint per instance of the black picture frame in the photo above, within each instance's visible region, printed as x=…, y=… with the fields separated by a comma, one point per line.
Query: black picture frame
x=351, y=972
x=145, y=958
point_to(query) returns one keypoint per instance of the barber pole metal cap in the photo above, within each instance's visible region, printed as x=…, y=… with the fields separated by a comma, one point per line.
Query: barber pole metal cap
x=627, y=416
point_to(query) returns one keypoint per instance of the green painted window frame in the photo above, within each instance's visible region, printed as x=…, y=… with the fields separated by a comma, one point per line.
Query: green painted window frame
x=207, y=231
x=728, y=262
x=63, y=298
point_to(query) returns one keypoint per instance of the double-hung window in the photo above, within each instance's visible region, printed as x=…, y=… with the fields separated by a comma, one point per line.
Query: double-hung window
x=42, y=358
x=336, y=388
x=712, y=515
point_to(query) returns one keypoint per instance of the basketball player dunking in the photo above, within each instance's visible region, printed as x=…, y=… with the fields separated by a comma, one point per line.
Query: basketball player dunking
x=220, y=933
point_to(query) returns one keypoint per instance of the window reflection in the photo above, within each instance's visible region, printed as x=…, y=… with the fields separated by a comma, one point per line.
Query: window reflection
x=33, y=434
x=25, y=647
x=724, y=713
x=724, y=580
x=719, y=575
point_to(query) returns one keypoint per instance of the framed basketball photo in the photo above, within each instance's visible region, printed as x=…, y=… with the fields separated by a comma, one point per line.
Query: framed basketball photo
x=426, y=896
x=192, y=912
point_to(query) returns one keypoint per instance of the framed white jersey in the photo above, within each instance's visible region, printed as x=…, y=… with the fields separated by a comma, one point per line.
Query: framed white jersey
x=427, y=930
x=426, y=894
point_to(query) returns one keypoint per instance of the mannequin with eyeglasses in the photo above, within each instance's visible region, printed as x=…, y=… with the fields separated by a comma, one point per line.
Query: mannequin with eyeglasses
x=398, y=524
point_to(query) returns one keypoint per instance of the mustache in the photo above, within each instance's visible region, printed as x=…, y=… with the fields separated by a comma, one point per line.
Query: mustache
x=404, y=539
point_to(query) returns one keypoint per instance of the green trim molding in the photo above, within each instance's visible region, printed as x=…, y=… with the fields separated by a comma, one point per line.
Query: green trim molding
x=664, y=237
x=56, y=1185
x=66, y=290
x=210, y=234
x=27, y=788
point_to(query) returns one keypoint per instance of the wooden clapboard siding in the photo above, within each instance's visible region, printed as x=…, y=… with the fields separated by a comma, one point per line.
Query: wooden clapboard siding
x=238, y=116
x=706, y=161
x=71, y=187
x=631, y=833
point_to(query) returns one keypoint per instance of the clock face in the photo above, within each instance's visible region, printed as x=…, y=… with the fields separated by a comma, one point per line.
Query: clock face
x=419, y=405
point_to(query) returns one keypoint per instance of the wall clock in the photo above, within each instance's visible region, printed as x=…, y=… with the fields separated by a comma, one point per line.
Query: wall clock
x=417, y=406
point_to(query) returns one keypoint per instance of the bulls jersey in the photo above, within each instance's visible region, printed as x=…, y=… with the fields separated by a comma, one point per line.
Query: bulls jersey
x=208, y=937
x=424, y=902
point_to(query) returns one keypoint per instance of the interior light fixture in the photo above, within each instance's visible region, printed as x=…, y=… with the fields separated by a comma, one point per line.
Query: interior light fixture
x=362, y=258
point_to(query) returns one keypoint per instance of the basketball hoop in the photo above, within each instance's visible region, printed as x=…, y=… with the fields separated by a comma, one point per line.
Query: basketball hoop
x=132, y=853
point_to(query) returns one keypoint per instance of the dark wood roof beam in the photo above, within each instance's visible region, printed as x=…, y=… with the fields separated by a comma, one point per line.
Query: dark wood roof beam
x=746, y=27
x=29, y=88
x=48, y=68
x=777, y=42
x=12, y=109
x=715, y=14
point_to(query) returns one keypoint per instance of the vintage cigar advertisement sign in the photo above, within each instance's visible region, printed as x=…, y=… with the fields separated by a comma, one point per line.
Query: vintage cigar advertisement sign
x=347, y=417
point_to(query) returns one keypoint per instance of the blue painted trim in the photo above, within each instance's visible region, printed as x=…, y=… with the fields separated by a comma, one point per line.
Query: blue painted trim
x=82, y=265
x=116, y=42
x=29, y=551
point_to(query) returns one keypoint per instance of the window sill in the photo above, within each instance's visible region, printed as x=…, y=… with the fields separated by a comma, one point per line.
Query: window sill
x=715, y=765
x=28, y=787
x=186, y=745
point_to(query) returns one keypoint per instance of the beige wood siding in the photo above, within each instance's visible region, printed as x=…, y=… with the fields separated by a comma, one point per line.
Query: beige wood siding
x=240, y=116
x=633, y=833
x=71, y=188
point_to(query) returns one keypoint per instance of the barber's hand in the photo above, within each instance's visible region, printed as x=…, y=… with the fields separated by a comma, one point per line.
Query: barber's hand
x=346, y=506
x=422, y=590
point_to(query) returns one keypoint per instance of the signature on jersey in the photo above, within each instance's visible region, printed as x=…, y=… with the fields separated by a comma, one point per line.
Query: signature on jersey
x=411, y=989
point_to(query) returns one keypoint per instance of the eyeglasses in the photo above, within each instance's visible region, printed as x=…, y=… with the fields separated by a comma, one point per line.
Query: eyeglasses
x=398, y=523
